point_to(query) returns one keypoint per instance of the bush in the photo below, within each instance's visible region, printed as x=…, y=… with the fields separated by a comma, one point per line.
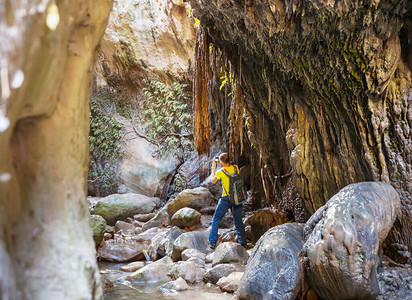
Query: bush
x=104, y=150
x=167, y=115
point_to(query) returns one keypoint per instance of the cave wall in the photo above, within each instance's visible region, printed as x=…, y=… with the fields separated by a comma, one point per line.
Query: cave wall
x=46, y=56
x=327, y=89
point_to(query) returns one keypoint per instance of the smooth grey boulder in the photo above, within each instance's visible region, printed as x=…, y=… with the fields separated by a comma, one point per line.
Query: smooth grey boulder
x=230, y=252
x=198, y=240
x=272, y=271
x=99, y=228
x=223, y=270
x=344, y=237
x=197, y=198
x=120, y=206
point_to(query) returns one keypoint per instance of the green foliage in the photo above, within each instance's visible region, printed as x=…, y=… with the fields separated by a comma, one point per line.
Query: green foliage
x=104, y=148
x=167, y=115
x=189, y=12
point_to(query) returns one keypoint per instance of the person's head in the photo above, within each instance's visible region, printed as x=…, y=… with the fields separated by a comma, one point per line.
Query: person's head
x=224, y=158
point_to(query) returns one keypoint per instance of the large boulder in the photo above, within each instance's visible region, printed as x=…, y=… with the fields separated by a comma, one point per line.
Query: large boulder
x=230, y=252
x=120, y=206
x=198, y=240
x=185, y=217
x=99, y=228
x=344, y=238
x=197, y=198
x=155, y=272
x=272, y=271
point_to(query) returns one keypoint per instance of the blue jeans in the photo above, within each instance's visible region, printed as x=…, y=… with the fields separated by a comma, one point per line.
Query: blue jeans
x=222, y=206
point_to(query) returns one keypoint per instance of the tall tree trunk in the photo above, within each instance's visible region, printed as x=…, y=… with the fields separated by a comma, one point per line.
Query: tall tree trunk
x=46, y=245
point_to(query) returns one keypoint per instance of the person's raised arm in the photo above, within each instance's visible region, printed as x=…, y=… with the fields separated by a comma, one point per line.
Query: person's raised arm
x=214, y=178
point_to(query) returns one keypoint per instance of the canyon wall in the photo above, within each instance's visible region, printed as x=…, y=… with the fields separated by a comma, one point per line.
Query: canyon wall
x=326, y=97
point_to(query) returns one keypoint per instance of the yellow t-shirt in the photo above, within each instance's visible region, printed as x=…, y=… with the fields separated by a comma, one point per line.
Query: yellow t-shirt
x=225, y=180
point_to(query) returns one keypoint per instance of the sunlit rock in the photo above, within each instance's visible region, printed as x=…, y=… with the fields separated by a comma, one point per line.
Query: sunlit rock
x=223, y=270
x=230, y=283
x=198, y=240
x=197, y=198
x=120, y=206
x=185, y=217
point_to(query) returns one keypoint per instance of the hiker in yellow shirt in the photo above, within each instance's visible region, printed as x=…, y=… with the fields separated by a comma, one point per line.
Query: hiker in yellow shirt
x=223, y=205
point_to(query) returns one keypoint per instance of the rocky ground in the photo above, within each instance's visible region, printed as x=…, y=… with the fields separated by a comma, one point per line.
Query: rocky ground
x=168, y=247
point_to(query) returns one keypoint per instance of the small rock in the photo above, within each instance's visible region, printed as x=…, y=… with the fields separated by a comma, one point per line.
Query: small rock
x=144, y=217
x=160, y=219
x=107, y=285
x=197, y=198
x=185, y=269
x=120, y=251
x=178, y=285
x=132, y=267
x=107, y=236
x=223, y=270
x=209, y=258
x=190, y=240
x=210, y=210
x=199, y=262
x=230, y=284
x=230, y=253
x=146, y=236
x=189, y=253
x=164, y=246
x=156, y=271
x=186, y=217
x=123, y=226
x=99, y=228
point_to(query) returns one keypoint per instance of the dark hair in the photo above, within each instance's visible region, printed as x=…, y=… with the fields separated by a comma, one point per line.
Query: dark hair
x=224, y=157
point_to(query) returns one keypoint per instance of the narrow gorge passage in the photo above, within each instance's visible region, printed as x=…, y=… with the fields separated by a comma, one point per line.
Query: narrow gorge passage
x=112, y=112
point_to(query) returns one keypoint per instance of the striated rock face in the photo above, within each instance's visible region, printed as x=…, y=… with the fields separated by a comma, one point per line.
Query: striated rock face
x=145, y=39
x=343, y=240
x=327, y=92
x=44, y=112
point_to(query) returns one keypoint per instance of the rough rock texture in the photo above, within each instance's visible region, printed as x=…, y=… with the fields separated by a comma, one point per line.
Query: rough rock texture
x=262, y=220
x=194, y=198
x=229, y=252
x=324, y=90
x=343, y=240
x=99, y=228
x=198, y=240
x=120, y=206
x=223, y=270
x=44, y=112
x=185, y=217
x=273, y=270
x=124, y=227
x=132, y=267
x=145, y=39
x=164, y=244
x=160, y=219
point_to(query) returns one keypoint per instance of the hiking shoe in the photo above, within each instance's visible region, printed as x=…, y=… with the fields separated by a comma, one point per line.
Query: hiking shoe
x=212, y=246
